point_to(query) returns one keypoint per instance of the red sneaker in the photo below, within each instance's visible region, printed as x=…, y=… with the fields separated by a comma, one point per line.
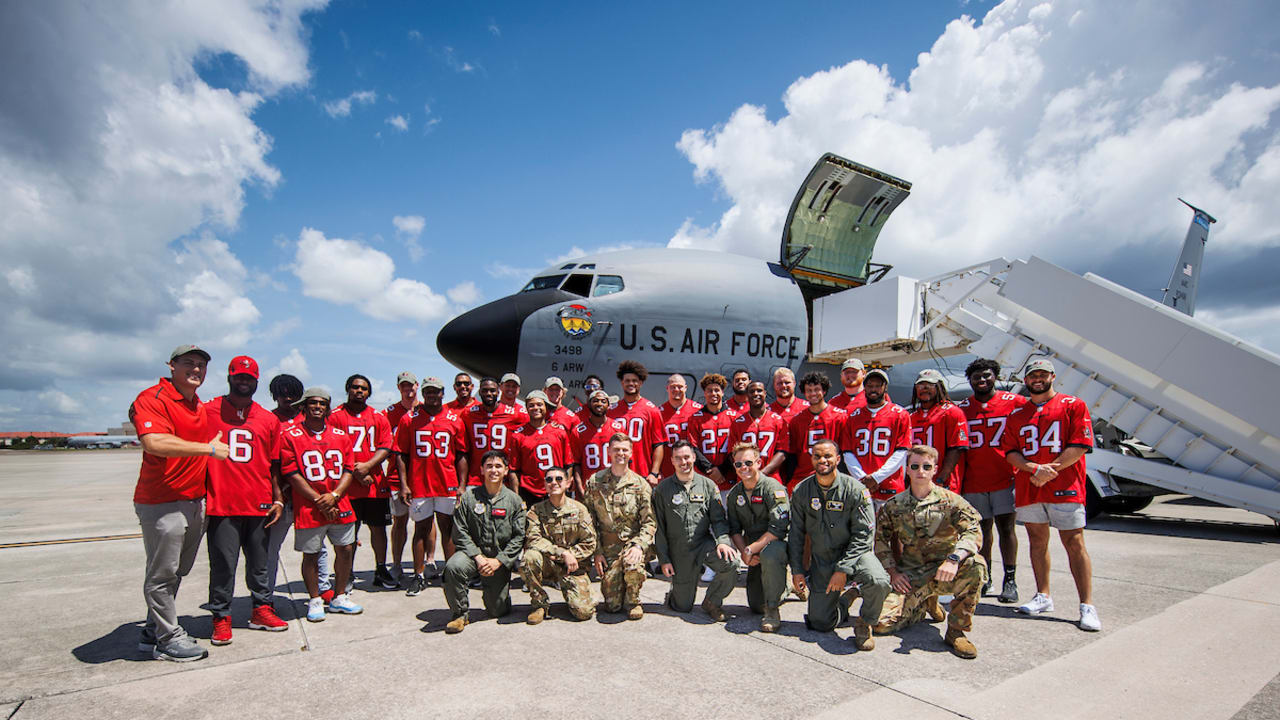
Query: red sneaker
x=327, y=595
x=265, y=618
x=221, y=631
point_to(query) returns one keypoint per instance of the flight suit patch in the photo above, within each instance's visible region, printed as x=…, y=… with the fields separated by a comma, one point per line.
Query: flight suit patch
x=757, y=499
x=697, y=498
x=816, y=504
x=780, y=494
x=499, y=512
x=835, y=505
x=742, y=501
x=479, y=508
x=677, y=500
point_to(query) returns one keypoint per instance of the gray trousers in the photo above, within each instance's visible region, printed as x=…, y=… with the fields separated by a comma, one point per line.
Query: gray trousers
x=171, y=535
x=825, y=610
x=228, y=536
x=688, y=566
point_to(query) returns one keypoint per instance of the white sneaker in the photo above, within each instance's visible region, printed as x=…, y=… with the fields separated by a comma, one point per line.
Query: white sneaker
x=708, y=575
x=1041, y=603
x=1089, y=618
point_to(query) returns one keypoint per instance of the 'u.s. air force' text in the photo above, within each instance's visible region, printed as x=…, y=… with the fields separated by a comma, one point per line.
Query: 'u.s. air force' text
x=709, y=341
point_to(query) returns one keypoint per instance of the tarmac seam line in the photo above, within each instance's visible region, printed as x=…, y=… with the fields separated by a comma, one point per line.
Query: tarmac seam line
x=68, y=541
x=873, y=681
x=16, y=708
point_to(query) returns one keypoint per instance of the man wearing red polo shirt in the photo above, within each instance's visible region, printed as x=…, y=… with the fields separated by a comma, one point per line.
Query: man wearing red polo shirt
x=169, y=497
x=244, y=500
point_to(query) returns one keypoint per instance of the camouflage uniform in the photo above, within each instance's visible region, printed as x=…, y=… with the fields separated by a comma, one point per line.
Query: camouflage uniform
x=551, y=533
x=752, y=513
x=489, y=525
x=840, y=523
x=927, y=531
x=690, y=524
x=623, y=515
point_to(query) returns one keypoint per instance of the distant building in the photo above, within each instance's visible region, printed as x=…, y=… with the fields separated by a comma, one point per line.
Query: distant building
x=126, y=429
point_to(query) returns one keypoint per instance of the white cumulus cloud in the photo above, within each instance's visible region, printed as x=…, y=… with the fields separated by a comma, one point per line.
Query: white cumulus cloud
x=342, y=106
x=409, y=228
x=399, y=122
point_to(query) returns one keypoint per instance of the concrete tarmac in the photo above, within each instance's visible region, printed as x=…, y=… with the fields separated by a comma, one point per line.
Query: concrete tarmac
x=1186, y=592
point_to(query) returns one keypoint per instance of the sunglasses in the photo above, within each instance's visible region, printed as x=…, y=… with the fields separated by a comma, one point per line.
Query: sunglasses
x=556, y=479
x=467, y=384
x=919, y=466
x=743, y=463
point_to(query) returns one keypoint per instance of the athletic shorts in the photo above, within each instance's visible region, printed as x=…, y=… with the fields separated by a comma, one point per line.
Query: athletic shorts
x=310, y=541
x=991, y=504
x=422, y=509
x=374, y=512
x=398, y=508
x=1063, y=516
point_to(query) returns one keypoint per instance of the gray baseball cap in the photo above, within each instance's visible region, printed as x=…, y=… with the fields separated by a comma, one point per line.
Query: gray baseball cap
x=552, y=381
x=930, y=375
x=406, y=377
x=854, y=363
x=537, y=395
x=611, y=398
x=1039, y=364
x=184, y=349
x=433, y=382
x=878, y=373
x=510, y=376
x=313, y=392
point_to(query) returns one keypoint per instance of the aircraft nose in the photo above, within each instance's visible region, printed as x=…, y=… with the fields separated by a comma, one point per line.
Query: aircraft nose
x=486, y=341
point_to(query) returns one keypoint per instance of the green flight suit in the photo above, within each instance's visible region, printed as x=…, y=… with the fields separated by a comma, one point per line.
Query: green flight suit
x=840, y=524
x=690, y=523
x=752, y=513
x=489, y=525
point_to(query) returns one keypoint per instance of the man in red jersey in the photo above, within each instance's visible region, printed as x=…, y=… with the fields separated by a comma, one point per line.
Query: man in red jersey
x=432, y=461
x=644, y=422
x=169, y=497
x=785, y=402
x=738, y=401
x=676, y=412
x=852, y=374
x=462, y=386
x=936, y=422
x=317, y=458
x=876, y=437
x=709, y=433
x=407, y=384
x=590, y=439
x=764, y=428
x=988, y=478
x=490, y=425
x=1046, y=442
x=370, y=434
x=806, y=428
x=243, y=500
x=510, y=389
x=285, y=391
x=590, y=384
x=557, y=413
x=540, y=445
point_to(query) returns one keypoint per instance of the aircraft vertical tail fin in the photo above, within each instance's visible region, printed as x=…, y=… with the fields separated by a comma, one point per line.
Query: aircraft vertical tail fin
x=1181, y=292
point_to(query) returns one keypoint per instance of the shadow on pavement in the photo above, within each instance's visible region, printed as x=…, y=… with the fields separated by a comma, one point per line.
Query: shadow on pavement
x=122, y=643
x=1187, y=528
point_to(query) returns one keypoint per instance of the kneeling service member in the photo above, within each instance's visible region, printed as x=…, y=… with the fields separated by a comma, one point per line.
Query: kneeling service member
x=621, y=508
x=692, y=532
x=559, y=540
x=937, y=534
x=758, y=518
x=488, y=530
x=834, y=510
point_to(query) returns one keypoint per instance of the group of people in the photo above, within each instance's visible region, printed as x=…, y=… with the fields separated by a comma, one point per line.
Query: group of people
x=834, y=499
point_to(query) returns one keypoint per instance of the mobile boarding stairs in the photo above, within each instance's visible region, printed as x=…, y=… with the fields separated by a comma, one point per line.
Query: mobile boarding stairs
x=1207, y=401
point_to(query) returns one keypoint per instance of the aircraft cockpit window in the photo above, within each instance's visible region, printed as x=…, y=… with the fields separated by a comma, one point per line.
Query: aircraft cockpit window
x=608, y=285
x=568, y=266
x=587, y=266
x=546, y=282
x=578, y=284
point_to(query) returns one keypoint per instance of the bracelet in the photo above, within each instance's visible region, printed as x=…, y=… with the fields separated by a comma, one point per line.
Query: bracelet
x=277, y=502
x=213, y=451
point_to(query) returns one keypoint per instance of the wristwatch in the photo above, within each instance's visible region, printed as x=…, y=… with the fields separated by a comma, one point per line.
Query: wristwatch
x=955, y=558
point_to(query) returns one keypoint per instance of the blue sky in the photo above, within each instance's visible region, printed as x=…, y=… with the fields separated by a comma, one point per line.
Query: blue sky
x=323, y=185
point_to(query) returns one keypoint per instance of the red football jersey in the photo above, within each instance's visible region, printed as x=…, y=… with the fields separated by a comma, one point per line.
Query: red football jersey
x=849, y=403
x=536, y=451
x=242, y=484
x=487, y=431
x=1041, y=433
x=162, y=409
x=943, y=427
x=369, y=432
x=394, y=415
x=321, y=458
x=769, y=433
x=873, y=438
x=675, y=426
x=797, y=405
x=736, y=405
x=431, y=446
x=710, y=434
x=590, y=445
x=644, y=426
x=564, y=417
x=457, y=408
x=985, y=469
x=804, y=431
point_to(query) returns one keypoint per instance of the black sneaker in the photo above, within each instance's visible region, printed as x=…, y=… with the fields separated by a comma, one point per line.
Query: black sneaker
x=382, y=578
x=1009, y=593
x=417, y=584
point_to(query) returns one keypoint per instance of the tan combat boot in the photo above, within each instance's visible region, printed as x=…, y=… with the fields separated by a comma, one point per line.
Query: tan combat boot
x=455, y=625
x=846, y=600
x=961, y=646
x=713, y=611
x=770, y=623
x=934, y=608
x=536, y=616
x=635, y=612
x=862, y=636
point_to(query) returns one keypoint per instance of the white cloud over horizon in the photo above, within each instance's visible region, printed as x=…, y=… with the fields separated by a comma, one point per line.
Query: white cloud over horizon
x=409, y=229
x=342, y=106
